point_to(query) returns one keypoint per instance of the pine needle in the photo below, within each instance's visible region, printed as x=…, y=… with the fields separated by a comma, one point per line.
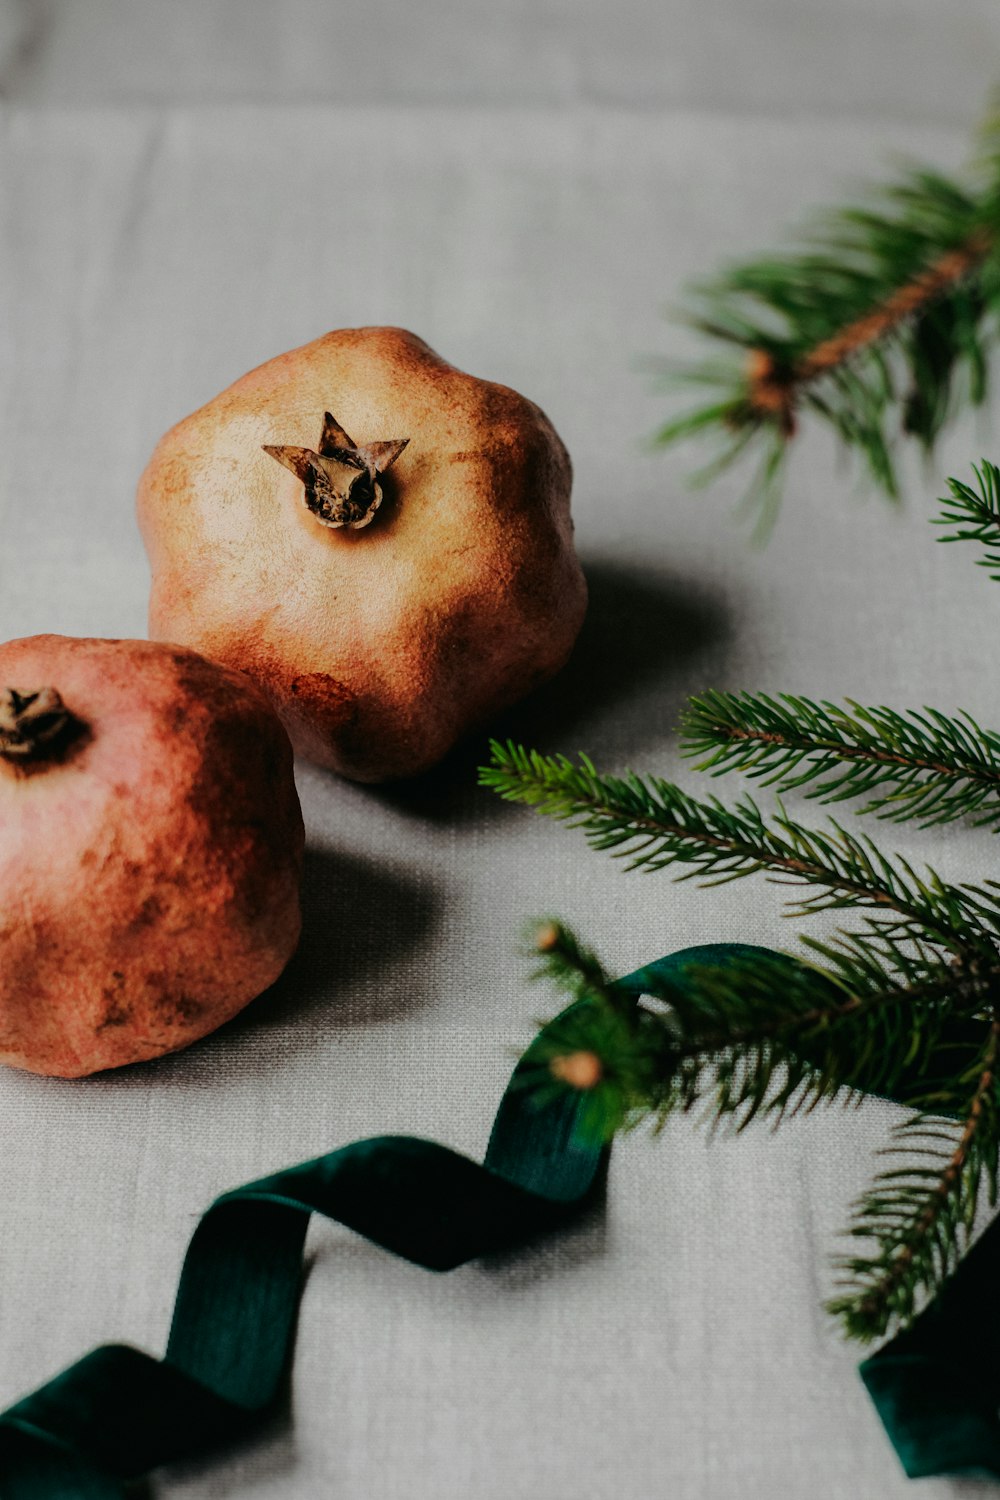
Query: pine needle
x=973, y=513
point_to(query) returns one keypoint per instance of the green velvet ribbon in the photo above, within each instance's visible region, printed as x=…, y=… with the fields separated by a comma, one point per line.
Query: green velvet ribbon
x=118, y=1413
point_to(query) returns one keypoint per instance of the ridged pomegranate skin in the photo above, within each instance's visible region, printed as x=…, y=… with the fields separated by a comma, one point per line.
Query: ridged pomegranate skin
x=149, y=872
x=379, y=647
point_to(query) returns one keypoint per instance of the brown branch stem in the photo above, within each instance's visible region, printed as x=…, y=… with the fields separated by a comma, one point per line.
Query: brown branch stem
x=774, y=391
x=806, y=870
x=845, y=751
x=869, y=1305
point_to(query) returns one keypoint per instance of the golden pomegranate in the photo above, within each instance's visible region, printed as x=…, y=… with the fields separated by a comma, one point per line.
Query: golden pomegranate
x=150, y=850
x=383, y=542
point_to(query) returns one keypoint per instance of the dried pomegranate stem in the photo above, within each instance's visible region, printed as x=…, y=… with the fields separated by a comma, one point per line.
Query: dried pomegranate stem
x=341, y=477
x=32, y=724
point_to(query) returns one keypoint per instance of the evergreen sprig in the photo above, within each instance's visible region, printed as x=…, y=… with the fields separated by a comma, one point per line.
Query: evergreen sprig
x=766, y=1036
x=924, y=766
x=919, y=1216
x=607, y=1051
x=872, y=1011
x=973, y=511
x=763, y=1032
x=879, y=320
x=563, y=960
x=654, y=823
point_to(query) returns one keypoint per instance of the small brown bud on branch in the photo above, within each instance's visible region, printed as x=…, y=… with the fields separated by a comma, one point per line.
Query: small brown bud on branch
x=581, y=1070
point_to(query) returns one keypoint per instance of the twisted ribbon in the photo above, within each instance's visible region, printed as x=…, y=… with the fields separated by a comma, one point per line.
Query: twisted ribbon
x=118, y=1413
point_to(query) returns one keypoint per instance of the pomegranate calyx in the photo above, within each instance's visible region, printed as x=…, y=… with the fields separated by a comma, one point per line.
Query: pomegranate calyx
x=33, y=724
x=340, y=476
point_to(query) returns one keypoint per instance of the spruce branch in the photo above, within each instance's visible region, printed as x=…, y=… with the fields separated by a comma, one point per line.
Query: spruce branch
x=877, y=321
x=920, y=1216
x=974, y=513
x=653, y=823
x=563, y=960
x=599, y=1046
x=866, y=1014
x=766, y=1036
x=923, y=766
x=907, y=1006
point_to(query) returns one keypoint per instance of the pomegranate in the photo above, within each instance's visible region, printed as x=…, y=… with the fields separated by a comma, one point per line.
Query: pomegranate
x=381, y=541
x=150, y=850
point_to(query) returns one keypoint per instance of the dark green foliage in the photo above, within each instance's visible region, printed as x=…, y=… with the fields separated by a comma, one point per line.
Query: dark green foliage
x=625, y=1043
x=903, y=1007
x=973, y=513
x=764, y=1036
x=919, y=1214
x=564, y=961
x=923, y=766
x=653, y=823
x=879, y=321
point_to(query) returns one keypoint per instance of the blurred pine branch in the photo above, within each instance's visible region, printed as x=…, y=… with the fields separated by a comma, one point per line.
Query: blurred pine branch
x=879, y=321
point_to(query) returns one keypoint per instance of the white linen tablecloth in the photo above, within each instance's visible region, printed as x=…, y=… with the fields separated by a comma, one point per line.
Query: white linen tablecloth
x=189, y=189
